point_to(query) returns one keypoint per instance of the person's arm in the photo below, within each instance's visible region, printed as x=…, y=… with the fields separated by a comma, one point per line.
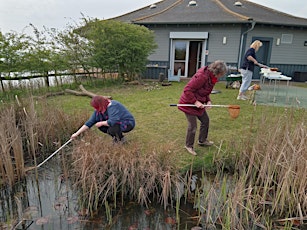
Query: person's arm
x=101, y=123
x=197, y=82
x=81, y=130
x=117, y=112
x=250, y=58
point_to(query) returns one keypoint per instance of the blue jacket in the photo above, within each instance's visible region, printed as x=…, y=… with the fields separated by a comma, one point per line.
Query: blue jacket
x=116, y=113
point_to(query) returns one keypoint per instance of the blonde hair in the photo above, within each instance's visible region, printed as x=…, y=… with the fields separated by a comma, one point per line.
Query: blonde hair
x=256, y=44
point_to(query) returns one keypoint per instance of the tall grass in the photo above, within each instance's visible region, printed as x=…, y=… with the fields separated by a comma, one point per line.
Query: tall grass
x=105, y=171
x=258, y=161
x=12, y=155
x=29, y=129
x=268, y=189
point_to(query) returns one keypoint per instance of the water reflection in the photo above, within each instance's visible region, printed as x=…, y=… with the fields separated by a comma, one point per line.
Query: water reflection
x=35, y=83
x=47, y=201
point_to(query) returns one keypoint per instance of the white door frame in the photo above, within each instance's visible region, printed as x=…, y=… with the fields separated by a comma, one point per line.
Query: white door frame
x=187, y=37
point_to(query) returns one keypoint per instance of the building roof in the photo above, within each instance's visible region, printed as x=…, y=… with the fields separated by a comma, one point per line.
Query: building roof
x=210, y=12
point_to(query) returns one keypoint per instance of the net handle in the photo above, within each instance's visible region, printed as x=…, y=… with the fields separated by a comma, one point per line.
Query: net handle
x=234, y=110
x=225, y=106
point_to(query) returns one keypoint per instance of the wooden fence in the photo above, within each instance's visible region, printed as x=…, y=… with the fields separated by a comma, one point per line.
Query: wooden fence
x=40, y=80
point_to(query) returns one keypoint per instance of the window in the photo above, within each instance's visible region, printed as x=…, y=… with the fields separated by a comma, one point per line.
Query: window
x=286, y=38
x=180, y=56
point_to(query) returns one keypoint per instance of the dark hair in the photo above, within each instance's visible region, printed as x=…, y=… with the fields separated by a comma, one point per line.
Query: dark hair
x=218, y=67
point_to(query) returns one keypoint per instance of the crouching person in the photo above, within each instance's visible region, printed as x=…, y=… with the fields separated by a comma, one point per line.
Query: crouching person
x=110, y=117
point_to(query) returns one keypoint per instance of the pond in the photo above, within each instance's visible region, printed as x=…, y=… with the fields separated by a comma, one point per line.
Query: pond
x=39, y=82
x=46, y=200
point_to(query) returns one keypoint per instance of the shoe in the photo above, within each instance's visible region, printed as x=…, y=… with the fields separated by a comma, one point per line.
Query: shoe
x=190, y=150
x=123, y=140
x=246, y=97
x=206, y=143
x=119, y=142
x=242, y=97
x=114, y=140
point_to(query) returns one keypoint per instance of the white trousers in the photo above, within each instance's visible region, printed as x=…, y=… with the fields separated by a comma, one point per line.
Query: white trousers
x=247, y=76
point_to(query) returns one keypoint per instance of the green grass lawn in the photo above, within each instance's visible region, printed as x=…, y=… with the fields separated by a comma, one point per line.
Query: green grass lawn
x=263, y=150
x=160, y=127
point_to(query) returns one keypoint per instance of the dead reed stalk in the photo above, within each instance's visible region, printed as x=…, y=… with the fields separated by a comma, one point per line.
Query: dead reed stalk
x=269, y=182
x=124, y=172
x=29, y=128
x=11, y=157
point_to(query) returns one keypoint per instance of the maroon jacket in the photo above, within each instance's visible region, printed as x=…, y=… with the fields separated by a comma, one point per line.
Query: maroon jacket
x=197, y=89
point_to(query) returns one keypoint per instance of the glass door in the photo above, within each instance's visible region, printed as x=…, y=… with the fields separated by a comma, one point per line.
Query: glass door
x=195, y=57
x=180, y=57
x=186, y=57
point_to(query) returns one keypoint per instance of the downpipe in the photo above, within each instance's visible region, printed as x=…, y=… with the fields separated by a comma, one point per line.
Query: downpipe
x=253, y=23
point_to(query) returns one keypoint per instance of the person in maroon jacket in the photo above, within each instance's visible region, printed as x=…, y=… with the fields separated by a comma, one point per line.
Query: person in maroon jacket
x=197, y=92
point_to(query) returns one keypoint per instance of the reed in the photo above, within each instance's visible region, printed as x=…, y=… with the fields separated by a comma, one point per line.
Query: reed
x=29, y=129
x=124, y=171
x=267, y=165
x=11, y=157
x=268, y=187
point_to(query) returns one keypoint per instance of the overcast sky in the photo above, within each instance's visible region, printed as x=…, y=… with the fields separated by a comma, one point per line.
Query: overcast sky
x=15, y=15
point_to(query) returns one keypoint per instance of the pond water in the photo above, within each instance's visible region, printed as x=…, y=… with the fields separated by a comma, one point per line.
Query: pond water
x=36, y=83
x=46, y=200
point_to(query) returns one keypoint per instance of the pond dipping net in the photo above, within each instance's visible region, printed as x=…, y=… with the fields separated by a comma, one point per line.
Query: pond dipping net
x=234, y=111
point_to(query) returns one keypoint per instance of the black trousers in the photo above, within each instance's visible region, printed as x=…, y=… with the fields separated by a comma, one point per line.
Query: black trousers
x=115, y=131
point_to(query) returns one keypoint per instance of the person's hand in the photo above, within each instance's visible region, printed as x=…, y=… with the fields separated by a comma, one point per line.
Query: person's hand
x=209, y=105
x=73, y=136
x=199, y=104
x=262, y=66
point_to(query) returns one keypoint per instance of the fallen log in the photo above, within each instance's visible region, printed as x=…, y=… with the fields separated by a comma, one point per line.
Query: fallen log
x=53, y=94
x=83, y=92
x=90, y=94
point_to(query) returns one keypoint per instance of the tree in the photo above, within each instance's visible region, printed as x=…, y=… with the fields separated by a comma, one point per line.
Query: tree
x=75, y=50
x=118, y=46
x=110, y=46
x=12, y=53
x=39, y=54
